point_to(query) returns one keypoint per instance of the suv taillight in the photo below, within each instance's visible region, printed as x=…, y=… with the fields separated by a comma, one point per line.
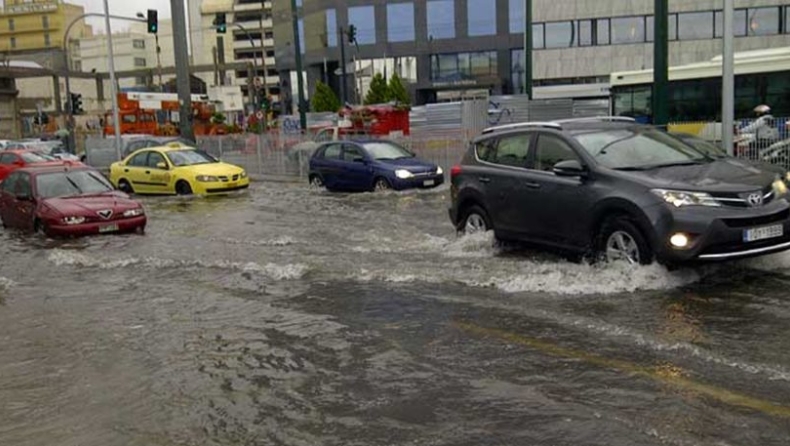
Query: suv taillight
x=455, y=171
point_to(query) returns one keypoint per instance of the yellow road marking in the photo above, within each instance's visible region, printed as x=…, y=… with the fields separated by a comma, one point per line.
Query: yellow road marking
x=672, y=378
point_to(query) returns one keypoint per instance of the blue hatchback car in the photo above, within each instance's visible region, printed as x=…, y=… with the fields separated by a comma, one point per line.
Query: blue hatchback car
x=370, y=165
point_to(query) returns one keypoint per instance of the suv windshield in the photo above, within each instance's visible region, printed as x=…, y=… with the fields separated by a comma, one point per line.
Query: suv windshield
x=386, y=151
x=638, y=149
x=189, y=158
x=76, y=182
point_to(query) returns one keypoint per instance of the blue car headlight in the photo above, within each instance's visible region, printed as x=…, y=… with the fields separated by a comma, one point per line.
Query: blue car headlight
x=403, y=174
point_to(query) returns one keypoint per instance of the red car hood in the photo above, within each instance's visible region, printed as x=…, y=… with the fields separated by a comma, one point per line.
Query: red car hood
x=90, y=205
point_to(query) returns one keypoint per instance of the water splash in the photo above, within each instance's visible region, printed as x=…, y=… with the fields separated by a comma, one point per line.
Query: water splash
x=278, y=272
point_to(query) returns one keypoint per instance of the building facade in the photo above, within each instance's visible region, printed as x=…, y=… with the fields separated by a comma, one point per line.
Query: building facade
x=249, y=38
x=133, y=50
x=32, y=25
x=454, y=47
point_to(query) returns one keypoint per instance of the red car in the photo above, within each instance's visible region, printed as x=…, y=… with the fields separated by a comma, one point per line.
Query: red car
x=11, y=160
x=67, y=201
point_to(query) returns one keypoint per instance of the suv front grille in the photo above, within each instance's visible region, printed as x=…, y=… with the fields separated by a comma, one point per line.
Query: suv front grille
x=757, y=221
x=739, y=201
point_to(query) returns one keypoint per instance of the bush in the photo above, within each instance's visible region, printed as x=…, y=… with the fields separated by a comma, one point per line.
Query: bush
x=324, y=99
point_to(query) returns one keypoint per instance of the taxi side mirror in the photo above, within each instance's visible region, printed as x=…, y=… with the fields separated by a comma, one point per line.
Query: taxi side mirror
x=161, y=165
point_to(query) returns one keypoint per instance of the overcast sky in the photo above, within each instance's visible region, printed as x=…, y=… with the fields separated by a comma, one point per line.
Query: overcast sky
x=124, y=8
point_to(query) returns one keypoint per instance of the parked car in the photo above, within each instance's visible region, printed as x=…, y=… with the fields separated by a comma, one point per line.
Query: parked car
x=176, y=169
x=53, y=148
x=102, y=157
x=67, y=201
x=619, y=189
x=370, y=165
x=11, y=160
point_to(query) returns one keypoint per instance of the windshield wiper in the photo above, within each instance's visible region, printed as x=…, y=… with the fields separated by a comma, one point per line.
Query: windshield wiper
x=660, y=166
x=74, y=184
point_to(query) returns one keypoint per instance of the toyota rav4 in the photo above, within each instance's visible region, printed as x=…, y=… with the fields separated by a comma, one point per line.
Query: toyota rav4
x=619, y=190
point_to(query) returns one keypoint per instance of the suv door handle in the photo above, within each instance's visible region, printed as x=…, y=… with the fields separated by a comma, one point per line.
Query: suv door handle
x=532, y=185
x=484, y=179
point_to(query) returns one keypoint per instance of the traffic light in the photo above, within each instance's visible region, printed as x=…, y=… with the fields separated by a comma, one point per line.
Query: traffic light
x=265, y=102
x=76, y=104
x=220, y=23
x=153, y=21
x=352, y=33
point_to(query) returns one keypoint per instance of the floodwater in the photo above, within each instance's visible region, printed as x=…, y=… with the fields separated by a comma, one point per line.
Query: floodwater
x=288, y=316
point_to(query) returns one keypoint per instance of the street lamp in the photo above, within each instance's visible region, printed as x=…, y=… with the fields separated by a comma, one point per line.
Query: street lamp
x=158, y=53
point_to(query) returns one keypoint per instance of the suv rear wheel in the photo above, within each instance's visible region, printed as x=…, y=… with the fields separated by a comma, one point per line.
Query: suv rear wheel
x=621, y=240
x=475, y=221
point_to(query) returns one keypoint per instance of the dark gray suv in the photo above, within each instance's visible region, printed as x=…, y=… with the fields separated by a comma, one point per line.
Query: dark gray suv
x=620, y=190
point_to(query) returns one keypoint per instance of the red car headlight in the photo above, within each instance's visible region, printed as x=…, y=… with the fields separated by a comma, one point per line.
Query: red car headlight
x=73, y=220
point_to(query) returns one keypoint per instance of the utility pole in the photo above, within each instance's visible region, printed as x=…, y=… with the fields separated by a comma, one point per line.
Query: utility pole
x=343, y=74
x=182, y=69
x=159, y=62
x=728, y=80
x=116, y=120
x=528, y=48
x=661, y=64
x=298, y=57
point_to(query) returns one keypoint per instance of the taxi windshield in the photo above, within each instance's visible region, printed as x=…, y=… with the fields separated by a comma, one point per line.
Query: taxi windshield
x=181, y=158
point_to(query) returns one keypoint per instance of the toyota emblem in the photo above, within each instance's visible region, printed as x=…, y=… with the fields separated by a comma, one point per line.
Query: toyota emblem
x=755, y=199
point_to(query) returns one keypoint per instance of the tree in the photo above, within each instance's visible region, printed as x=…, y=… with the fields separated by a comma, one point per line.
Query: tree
x=397, y=92
x=324, y=99
x=378, y=92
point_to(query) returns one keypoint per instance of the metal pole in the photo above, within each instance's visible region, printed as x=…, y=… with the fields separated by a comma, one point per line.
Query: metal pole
x=182, y=69
x=116, y=120
x=263, y=52
x=343, y=74
x=69, y=111
x=298, y=56
x=661, y=64
x=728, y=80
x=159, y=61
x=528, y=48
x=252, y=88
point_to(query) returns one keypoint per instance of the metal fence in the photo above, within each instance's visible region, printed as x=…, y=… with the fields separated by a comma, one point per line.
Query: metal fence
x=281, y=155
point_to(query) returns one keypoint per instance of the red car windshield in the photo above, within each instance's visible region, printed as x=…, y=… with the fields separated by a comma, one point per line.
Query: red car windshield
x=73, y=183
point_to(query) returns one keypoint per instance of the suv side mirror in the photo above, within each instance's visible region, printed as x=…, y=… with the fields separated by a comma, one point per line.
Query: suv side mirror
x=570, y=168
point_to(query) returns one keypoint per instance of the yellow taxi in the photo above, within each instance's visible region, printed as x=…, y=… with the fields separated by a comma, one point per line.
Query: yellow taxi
x=176, y=169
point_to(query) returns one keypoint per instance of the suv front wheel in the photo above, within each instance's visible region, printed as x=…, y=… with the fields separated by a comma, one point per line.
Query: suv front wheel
x=621, y=240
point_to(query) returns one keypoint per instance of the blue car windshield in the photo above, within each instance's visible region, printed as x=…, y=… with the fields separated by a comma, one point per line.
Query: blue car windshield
x=382, y=150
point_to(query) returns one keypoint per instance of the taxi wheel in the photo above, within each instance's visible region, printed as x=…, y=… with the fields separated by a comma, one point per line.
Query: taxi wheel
x=124, y=186
x=183, y=188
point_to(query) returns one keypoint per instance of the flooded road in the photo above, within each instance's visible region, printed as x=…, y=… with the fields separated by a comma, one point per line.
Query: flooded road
x=286, y=316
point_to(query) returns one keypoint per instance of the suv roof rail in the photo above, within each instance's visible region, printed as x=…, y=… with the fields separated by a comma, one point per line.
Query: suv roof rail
x=598, y=118
x=499, y=128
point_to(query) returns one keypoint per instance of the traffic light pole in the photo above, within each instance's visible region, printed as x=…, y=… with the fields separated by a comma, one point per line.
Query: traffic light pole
x=661, y=64
x=182, y=69
x=298, y=57
x=113, y=85
x=343, y=74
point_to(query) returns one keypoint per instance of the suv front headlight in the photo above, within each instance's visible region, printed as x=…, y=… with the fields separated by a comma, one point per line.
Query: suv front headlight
x=403, y=174
x=679, y=198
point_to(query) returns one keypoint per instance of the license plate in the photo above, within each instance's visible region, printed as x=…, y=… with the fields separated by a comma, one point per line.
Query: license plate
x=754, y=234
x=108, y=228
x=428, y=183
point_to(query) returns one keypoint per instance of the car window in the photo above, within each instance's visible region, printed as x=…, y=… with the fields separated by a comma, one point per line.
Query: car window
x=23, y=184
x=550, y=151
x=351, y=153
x=139, y=160
x=34, y=157
x=7, y=158
x=332, y=152
x=486, y=150
x=513, y=150
x=9, y=184
x=154, y=158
